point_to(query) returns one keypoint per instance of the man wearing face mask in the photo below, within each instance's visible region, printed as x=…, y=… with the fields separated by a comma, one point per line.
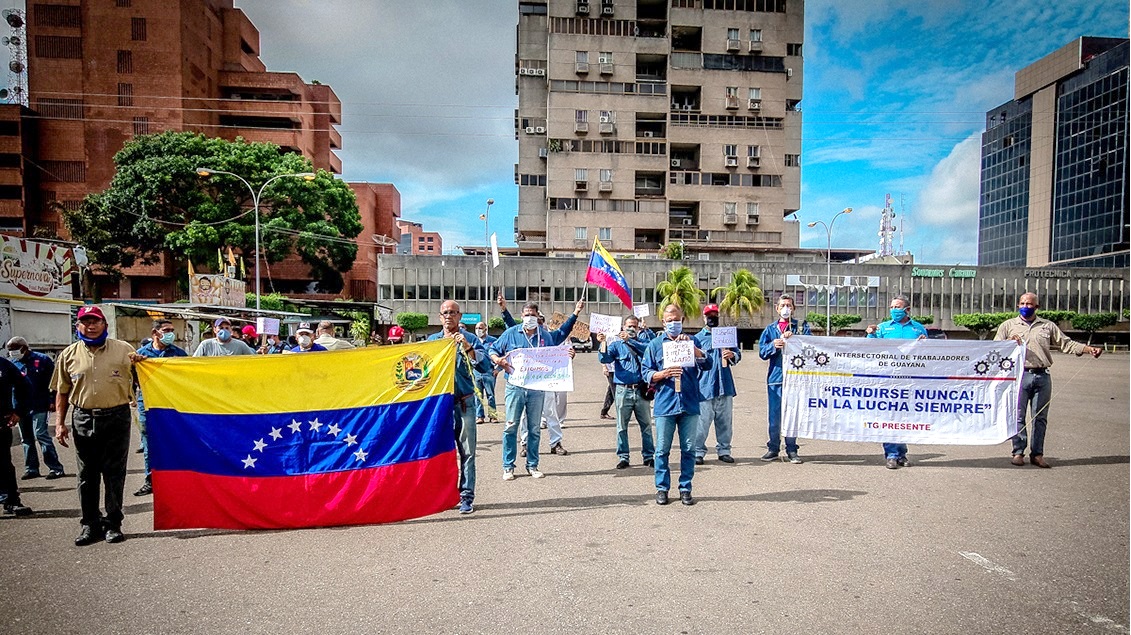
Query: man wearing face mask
x=770, y=349
x=485, y=380
x=525, y=401
x=161, y=345
x=899, y=327
x=306, y=343
x=674, y=410
x=716, y=388
x=1039, y=336
x=625, y=354
x=223, y=343
x=37, y=368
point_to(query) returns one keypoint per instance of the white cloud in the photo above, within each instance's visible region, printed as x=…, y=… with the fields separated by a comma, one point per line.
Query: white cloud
x=950, y=196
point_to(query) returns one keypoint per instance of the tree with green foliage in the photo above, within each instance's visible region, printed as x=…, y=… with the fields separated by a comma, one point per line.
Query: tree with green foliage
x=681, y=290
x=157, y=203
x=981, y=323
x=742, y=295
x=412, y=322
x=496, y=324
x=924, y=319
x=1092, y=322
x=1056, y=316
x=672, y=251
x=269, y=302
x=836, y=321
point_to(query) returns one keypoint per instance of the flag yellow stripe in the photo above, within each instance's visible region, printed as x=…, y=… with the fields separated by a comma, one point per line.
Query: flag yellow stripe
x=600, y=249
x=301, y=382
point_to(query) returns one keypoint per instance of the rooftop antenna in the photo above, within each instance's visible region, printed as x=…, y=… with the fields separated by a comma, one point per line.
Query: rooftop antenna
x=902, y=216
x=887, y=229
x=15, y=92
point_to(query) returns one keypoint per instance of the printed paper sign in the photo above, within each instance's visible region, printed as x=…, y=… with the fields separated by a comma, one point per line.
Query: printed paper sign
x=724, y=337
x=607, y=324
x=901, y=391
x=544, y=368
x=679, y=353
x=640, y=310
x=267, y=326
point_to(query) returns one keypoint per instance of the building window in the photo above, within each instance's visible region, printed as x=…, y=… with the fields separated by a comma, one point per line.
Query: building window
x=63, y=171
x=606, y=176
x=732, y=91
x=125, y=62
x=137, y=29
x=755, y=35
x=123, y=4
x=755, y=94
x=57, y=15
x=605, y=57
x=793, y=49
x=752, y=209
x=580, y=233
x=608, y=116
x=793, y=160
x=581, y=116
x=605, y=233
x=581, y=174
x=141, y=125
x=730, y=209
x=730, y=150
x=58, y=47
x=732, y=34
x=583, y=57
x=125, y=94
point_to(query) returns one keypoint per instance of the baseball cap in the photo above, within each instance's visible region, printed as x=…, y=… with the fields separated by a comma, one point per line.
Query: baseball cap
x=91, y=311
x=220, y=321
x=249, y=330
x=710, y=308
x=304, y=327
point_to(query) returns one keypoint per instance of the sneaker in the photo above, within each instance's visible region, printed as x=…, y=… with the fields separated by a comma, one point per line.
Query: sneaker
x=558, y=448
x=698, y=460
x=465, y=506
x=726, y=458
x=88, y=536
x=686, y=499
x=29, y=475
x=533, y=472
x=54, y=474
x=793, y=458
x=661, y=497
x=522, y=452
x=892, y=464
x=622, y=464
x=145, y=490
x=16, y=509
x=543, y=425
x=508, y=475
x=903, y=462
x=769, y=456
x=114, y=535
x=649, y=463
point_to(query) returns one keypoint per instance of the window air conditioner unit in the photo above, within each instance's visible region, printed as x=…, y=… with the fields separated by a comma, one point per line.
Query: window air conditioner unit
x=732, y=103
x=649, y=134
x=543, y=153
x=732, y=45
x=752, y=219
x=607, y=9
x=755, y=46
x=581, y=186
x=730, y=218
x=606, y=68
x=606, y=119
x=687, y=221
x=524, y=71
x=540, y=130
x=604, y=59
x=704, y=256
x=583, y=9
x=606, y=186
x=581, y=126
x=732, y=162
x=530, y=130
x=540, y=72
x=755, y=104
x=582, y=68
x=607, y=128
x=789, y=72
x=753, y=162
x=677, y=163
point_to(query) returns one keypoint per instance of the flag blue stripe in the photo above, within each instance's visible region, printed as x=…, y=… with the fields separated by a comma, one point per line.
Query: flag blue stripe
x=219, y=444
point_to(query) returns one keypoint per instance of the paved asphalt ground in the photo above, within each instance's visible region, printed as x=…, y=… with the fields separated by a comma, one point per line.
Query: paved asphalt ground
x=960, y=542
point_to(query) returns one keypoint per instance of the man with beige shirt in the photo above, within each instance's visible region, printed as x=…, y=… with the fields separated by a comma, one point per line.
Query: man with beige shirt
x=326, y=338
x=1039, y=336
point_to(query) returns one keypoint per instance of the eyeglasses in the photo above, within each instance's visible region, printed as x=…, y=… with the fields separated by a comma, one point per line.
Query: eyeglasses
x=449, y=313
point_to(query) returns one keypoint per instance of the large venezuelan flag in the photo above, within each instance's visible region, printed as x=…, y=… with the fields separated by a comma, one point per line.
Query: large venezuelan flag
x=310, y=440
x=604, y=272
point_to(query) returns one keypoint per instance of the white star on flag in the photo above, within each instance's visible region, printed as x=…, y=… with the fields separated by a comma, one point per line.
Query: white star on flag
x=295, y=426
x=249, y=462
x=361, y=454
x=334, y=429
x=315, y=425
x=350, y=439
x=276, y=433
x=259, y=445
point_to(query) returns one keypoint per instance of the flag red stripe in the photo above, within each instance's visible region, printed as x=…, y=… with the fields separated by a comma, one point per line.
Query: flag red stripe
x=390, y=493
x=602, y=279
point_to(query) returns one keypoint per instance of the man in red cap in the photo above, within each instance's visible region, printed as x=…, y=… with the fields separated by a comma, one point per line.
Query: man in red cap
x=250, y=337
x=93, y=380
x=716, y=387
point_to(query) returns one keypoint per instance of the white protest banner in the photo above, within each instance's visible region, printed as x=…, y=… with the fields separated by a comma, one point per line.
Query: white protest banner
x=640, y=310
x=724, y=337
x=607, y=324
x=494, y=249
x=542, y=368
x=267, y=326
x=679, y=353
x=901, y=391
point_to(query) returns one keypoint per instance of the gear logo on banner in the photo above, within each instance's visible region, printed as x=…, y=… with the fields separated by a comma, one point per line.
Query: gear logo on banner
x=809, y=355
x=992, y=360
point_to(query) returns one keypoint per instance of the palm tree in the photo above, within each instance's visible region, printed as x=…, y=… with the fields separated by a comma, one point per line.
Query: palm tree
x=742, y=296
x=680, y=289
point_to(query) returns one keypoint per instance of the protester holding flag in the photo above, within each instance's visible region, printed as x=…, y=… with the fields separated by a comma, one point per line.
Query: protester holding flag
x=525, y=401
x=716, y=387
x=770, y=349
x=604, y=272
x=469, y=356
x=485, y=380
x=899, y=327
x=624, y=355
x=676, y=406
x=160, y=345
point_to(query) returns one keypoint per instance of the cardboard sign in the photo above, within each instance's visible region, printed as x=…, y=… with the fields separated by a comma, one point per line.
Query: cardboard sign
x=610, y=325
x=724, y=337
x=267, y=326
x=640, y=310
x=679, y=353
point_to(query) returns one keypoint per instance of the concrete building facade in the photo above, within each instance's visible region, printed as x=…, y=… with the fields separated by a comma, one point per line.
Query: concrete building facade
x=647, y=122
x=1054, y=173
x=415, y=241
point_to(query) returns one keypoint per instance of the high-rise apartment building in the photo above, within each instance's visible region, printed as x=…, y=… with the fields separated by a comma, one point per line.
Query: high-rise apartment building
x=647, y=122
x=1054, y=175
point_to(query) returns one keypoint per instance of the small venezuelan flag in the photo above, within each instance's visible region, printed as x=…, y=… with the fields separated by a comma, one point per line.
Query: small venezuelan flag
x=604, y=272
x=316, y=440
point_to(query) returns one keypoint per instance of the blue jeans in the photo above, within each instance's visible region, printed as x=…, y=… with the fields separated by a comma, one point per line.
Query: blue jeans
x=464, y=416
x=1035, y=393
x=720, y=411
x=520, y=401
x=666, y=427
x=34, y=429
x=486, y=384
x=628, y=402
x=774, y=444
x=142, y=431
x=895, y=450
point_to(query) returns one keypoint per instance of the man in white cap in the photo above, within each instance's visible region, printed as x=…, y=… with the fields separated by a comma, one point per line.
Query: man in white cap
x=306, y=343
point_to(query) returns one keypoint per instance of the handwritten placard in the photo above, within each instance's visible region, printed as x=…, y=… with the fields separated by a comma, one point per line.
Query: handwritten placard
x=267, y=326
x=544, y=368
x=607, y=324
x=724, y=337
x=679, y=353
x=640, y=310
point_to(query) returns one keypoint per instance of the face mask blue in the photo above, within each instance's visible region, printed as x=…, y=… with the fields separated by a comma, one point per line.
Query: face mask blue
x=1027, y=312
x=673, y=328
x=168, y=338
x=897, y=315
x=223, y=335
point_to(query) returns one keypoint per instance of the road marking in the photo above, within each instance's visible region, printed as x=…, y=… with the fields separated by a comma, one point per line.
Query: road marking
x=987, y=564
x=1099, y=620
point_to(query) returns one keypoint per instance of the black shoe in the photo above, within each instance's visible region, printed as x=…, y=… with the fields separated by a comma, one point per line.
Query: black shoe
x=698, y=460
x=522, y=452
x=793, y=458
x=88, y=536
x=138, y=451
x=29, y=475
x=114, y=535
x=16, y=509
x=726, y=458
x=649, y=463
x=892, y=464
x=903, y=462
x=769, y=456
x=145, y=490
x=51, y=476
x=622, y=464
x=558, y=448
x=685, y=498
x=661, y=497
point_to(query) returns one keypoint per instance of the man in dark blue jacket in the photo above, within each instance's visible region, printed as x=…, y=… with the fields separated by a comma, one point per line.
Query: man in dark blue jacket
x=160, y=344
x=37, y=368
x=14, y=395
x=770, y=349
x=626, y=354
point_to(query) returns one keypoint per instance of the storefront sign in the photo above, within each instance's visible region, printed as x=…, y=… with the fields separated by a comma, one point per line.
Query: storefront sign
x=36, y=270
x=920, y=272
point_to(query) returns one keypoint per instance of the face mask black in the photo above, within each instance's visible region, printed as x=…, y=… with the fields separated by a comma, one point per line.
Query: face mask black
x=712, y=321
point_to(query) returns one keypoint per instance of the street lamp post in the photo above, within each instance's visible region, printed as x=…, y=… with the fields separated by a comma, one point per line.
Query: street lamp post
x=829, y=264
x=255, y=196
x=486, y=218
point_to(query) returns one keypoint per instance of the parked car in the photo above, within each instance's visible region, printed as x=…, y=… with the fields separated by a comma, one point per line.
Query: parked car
x=936, y=334
x=582, y=346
